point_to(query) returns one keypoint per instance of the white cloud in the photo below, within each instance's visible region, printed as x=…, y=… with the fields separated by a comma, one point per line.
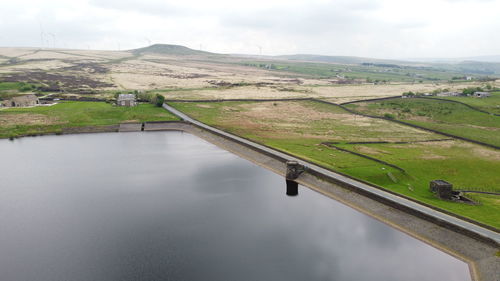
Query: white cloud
x=377, y=28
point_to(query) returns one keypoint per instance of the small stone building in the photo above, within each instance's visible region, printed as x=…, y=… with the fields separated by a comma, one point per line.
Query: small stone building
x=443, y=189
x=126, y=100
x=448, y=94
x=22, y=101
x=481, y=94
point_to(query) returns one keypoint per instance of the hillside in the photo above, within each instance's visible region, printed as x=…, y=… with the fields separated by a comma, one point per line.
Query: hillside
x=167, y=49
x=340, y=59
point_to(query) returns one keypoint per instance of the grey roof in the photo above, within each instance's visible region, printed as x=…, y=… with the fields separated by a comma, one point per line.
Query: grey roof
x=24, y=98
x=441, y=182
x=126, y=97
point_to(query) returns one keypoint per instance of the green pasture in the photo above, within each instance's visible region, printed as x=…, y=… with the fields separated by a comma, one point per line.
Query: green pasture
x=447, y=117
x=75, y=114
x=467, y=166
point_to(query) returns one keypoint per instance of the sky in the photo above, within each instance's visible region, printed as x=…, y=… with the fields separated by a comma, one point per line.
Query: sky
x=368, y=28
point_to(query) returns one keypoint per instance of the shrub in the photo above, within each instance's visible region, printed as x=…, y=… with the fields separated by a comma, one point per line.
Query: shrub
x=471, y=90
x=389, y=116
x=159, y=100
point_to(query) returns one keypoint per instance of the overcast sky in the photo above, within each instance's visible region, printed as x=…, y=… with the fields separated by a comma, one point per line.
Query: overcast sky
x=370, y=28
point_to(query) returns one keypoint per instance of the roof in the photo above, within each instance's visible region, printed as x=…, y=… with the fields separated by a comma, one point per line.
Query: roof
x=24, y=98
x=440, y=182
x=126, y=97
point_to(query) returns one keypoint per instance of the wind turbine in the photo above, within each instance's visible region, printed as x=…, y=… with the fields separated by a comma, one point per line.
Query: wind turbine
x=260, y=49
x=53, y=39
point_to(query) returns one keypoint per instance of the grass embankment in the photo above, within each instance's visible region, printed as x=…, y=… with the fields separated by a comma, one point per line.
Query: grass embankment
x=300, y=128
x=443, y=116
x=16, y=122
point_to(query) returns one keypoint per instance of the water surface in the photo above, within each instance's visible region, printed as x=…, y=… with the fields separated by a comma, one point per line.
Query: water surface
x=170, y=206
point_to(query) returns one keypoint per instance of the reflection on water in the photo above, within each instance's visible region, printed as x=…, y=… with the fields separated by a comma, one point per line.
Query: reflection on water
x=292, y=188
x=169, y=206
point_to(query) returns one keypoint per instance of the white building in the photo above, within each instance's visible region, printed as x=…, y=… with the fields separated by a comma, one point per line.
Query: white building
x=126, y=100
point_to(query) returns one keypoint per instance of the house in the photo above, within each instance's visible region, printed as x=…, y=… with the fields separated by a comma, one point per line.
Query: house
x=448, y=94
x=468, y=78
x=481, y=94
x=22, y=101
x=126, y=100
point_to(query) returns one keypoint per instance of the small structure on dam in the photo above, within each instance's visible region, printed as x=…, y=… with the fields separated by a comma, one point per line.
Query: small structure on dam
x=293, y=171
x=442, y=188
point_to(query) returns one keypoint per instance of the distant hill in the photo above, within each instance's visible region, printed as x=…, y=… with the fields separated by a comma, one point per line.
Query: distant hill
x=167, y=49
x=490, y=59
x=485, y=65
x=476, y=65
x=339, y=59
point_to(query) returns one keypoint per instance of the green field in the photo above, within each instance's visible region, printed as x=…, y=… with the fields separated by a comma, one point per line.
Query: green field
x=52, y=119
x=357, y=71
x=490, y=104
x=11, y=89
x=300, y=128
x=448, y=117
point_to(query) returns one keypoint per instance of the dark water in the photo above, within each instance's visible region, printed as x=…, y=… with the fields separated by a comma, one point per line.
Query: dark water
x=169, y=206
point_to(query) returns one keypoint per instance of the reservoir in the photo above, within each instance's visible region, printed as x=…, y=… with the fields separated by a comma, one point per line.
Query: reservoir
x=171, y=206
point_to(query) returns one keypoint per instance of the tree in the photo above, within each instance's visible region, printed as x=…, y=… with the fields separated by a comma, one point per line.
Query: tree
x=159, y=100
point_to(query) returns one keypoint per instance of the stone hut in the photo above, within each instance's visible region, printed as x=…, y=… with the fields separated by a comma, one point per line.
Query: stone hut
x=22, y=101
x=443, y=189
x=481, y=94
x=126, y=100
x=448, y=94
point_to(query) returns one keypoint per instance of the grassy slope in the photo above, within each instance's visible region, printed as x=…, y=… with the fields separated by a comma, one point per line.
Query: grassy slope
x=455, y=162
x=77, y=114
x=439, y=115
x=490, y=104
x=11, y=89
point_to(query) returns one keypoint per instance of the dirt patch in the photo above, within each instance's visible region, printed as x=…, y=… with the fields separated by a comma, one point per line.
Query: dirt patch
x=28, y=119
x=204, y=105
x=289, y=111
x=487, y=153
x=483, y=128
x=430, y=156
x=370, y=150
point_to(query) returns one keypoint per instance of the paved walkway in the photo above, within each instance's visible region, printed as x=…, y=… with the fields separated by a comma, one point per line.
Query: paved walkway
x=359, y=185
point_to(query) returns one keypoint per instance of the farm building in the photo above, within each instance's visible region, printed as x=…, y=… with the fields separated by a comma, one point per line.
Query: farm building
x=448, y=94
x=126, y=100
x=22, y=101
x=481, y=94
